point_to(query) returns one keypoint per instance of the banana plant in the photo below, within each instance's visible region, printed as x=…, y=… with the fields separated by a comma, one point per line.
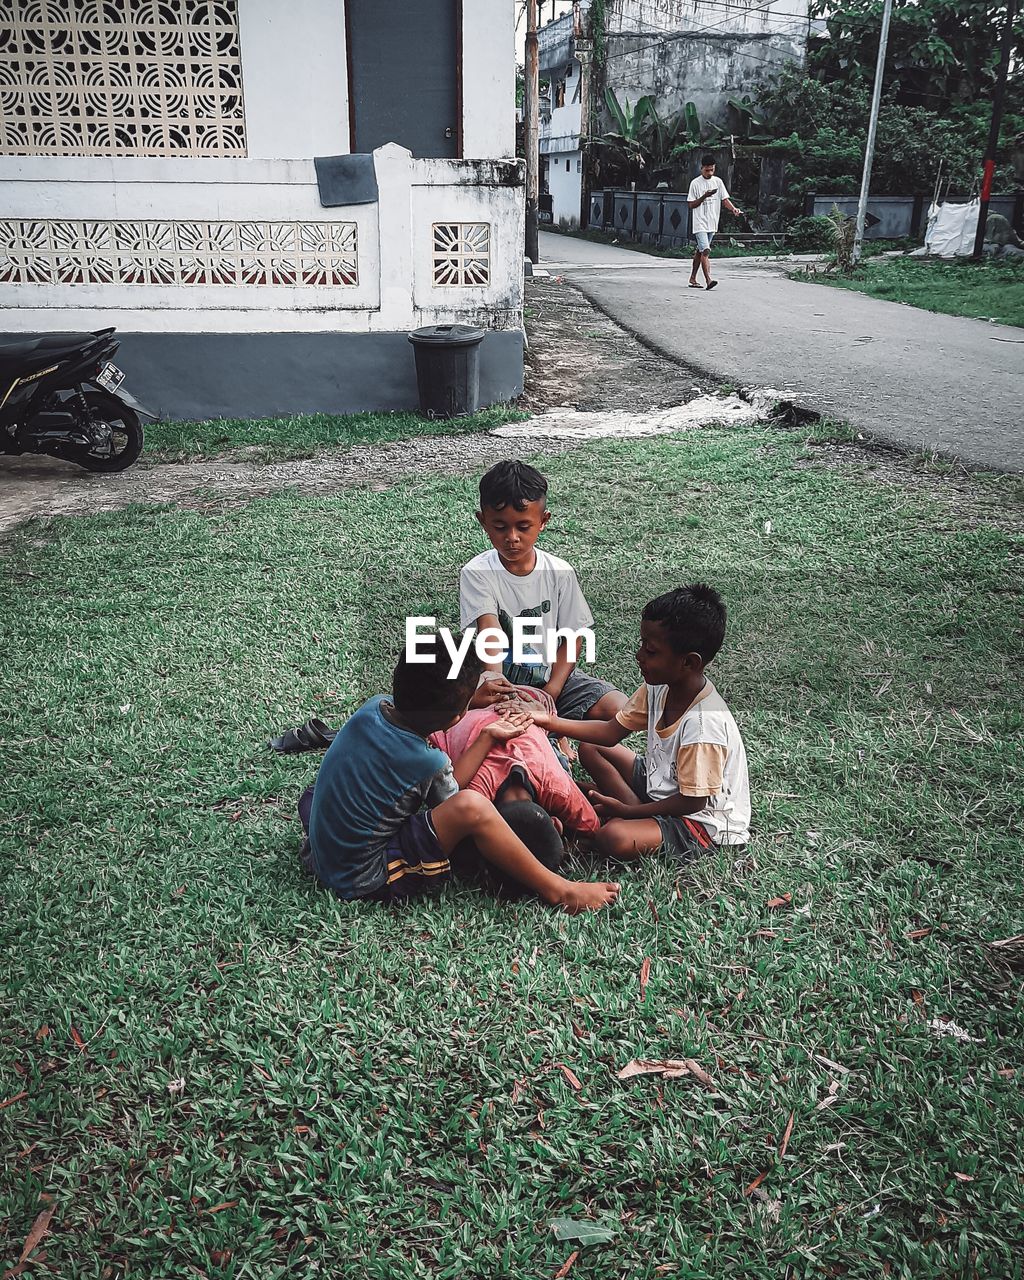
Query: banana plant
x=629, y=117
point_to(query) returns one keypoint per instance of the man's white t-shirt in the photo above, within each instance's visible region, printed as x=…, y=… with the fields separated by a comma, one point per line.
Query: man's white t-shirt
x=702, y=754
x=550, y=593
x=705, y=217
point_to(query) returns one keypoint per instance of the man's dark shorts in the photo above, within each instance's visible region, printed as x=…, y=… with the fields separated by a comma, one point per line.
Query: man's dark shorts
x=580, y=694
x=684, y=838
x=416, y=863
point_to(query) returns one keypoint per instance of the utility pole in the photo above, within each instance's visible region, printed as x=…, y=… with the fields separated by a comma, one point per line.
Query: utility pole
x=998, y=102
x=531, y=130
x=869, y=150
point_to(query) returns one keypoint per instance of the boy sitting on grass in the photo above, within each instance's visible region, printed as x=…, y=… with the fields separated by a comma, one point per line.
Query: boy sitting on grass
x=368, y=835
x=691, y=790
x=515, y=579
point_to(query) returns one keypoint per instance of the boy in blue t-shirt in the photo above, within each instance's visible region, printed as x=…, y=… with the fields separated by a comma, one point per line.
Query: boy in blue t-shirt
x=369, y=835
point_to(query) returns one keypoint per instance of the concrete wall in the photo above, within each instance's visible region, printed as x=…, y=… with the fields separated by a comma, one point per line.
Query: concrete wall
x=900, y=216
x=730, y=51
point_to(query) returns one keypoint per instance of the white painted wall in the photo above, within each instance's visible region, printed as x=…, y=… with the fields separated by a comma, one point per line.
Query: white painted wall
x=294, y=78
x=395, y=254
x=565, y=185
x=488, y=79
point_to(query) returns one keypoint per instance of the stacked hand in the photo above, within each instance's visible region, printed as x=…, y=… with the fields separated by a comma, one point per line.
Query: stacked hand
x=495, y=690
x=534, y=712
x=512, y=723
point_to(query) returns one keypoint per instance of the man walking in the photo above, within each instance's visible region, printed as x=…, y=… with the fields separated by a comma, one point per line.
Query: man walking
x=706, y=196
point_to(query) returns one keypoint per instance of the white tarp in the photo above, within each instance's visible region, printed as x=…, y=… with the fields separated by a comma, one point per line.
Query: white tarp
x=951, y=230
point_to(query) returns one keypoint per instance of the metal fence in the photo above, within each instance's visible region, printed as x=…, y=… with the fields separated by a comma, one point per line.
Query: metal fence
x=893, y=217
x=653, y=217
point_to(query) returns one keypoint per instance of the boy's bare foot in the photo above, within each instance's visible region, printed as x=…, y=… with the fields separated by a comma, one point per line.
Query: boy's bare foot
x=576, y=896
x=567, y=749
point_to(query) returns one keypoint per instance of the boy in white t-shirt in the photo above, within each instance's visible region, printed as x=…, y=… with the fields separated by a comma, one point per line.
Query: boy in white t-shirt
x=690, y=791
x=706, y=196
x=516, y=579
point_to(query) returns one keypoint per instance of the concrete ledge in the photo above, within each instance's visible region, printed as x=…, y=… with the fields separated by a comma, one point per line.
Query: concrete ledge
x=195, y=376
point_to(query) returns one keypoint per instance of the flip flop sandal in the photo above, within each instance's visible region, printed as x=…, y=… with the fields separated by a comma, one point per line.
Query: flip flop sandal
x=697, y=286
x=314, y=735
x=712, y=284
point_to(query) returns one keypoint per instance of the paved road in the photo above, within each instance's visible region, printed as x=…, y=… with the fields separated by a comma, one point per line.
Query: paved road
x=912, y=378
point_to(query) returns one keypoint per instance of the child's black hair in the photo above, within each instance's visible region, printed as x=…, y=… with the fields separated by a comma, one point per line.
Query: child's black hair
x=423, y=694
x=512, y=484
x=706, y=159
x=693, y=618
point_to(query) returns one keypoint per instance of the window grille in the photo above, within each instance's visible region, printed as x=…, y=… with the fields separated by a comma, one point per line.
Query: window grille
x=120, y=78
x=462, y=253
x=178, y=253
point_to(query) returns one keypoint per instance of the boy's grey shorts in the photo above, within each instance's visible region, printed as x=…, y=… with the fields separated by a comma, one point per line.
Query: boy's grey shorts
x=683, y=838
x=579, y=693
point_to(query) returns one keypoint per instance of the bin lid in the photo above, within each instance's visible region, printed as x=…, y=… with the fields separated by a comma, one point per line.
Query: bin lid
x=447, y=335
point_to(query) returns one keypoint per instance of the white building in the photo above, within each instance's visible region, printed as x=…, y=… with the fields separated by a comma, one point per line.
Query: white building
x=562, y=119
x=157, y=174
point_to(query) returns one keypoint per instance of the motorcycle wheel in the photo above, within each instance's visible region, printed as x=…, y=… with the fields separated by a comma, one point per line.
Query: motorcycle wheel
x=126, y=435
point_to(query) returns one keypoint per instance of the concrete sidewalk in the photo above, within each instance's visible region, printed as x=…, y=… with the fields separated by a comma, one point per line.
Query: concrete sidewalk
x=912, y=378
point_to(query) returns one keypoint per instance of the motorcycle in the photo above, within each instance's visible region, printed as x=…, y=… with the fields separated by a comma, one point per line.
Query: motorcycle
x=63, y=397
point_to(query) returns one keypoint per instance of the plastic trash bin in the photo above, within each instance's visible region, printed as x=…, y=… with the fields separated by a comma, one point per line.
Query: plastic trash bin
x=448, y=369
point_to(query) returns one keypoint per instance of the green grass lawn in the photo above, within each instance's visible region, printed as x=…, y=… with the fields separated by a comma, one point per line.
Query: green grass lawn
x=209, y=1068
x=989, y=290
x=302, y=436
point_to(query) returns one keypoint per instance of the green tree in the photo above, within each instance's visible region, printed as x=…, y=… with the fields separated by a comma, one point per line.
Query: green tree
x=941, y=53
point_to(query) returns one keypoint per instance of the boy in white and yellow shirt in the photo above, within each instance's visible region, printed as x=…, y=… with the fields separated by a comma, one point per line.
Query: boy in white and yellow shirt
x=690, y=791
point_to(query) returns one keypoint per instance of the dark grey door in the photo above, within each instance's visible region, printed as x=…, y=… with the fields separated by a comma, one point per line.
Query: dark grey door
x=403, y=59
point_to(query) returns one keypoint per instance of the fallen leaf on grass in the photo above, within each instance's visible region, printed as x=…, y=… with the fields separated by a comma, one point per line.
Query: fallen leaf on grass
x=915, y=934
x=517, y=1091
x=756, y=1183
x=833, y=1096
x=645, y=977
x=827, y=1062
x=654, y=909
x=15, y=1097
x=1007, y=1072
x=668, y=1069
x=582, y=1230
x=39, y=1229
x=785, y=1137
x=260, y=1071
x=224, y=1204
x=570, y=1075
x=783, y=901
x=78, y=1039
x=43, y=1032
x=963, y=1177
x=176, y=1086
x=764, y=933
x=566, y=1266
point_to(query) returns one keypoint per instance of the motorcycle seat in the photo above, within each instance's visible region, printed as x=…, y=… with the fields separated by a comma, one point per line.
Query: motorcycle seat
x=38, y=348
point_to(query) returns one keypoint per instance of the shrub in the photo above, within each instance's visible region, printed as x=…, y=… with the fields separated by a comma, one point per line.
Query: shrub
x=809, y=235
